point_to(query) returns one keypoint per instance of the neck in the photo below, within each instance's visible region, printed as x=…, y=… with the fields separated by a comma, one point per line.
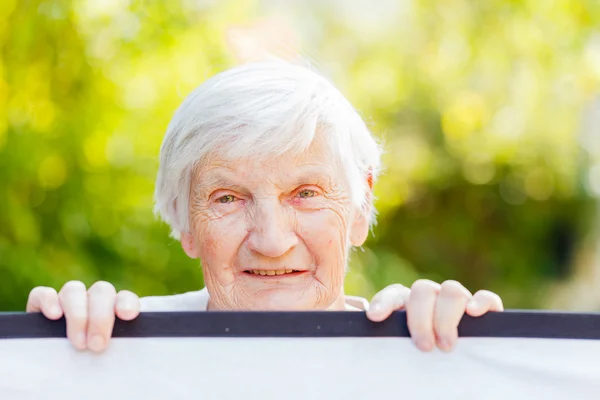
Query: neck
x=338, y=305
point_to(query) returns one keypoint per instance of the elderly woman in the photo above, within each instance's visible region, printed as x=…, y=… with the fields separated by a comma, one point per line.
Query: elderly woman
x=266, y=175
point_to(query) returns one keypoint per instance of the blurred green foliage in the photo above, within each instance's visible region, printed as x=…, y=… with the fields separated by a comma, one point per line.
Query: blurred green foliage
x=479, y=104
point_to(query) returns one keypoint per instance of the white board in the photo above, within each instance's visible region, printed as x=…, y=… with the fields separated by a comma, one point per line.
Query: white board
x=310, y=367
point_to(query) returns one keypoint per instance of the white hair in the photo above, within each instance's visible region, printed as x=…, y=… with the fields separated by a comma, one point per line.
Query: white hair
x=261, y=110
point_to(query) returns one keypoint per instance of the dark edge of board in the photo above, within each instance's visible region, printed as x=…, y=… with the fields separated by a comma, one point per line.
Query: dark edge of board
x=508, y=324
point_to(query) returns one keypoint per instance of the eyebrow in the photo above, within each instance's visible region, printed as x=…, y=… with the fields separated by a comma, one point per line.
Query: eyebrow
x=207, y=185
x=315, y=175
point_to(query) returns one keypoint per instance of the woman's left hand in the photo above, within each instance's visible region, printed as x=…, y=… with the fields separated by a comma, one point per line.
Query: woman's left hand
x=433, y=311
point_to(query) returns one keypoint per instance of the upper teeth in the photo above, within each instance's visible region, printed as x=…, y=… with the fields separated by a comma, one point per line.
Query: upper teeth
x=271, y=272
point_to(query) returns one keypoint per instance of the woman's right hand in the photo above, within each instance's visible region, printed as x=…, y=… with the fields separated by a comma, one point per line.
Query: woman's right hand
x=89, y=313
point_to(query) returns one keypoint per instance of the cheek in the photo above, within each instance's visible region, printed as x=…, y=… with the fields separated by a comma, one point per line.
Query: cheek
x=324, y=233
x=326, y=226
x=219, y=242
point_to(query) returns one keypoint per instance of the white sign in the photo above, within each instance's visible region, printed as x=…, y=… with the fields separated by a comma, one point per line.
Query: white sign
x=148, y=368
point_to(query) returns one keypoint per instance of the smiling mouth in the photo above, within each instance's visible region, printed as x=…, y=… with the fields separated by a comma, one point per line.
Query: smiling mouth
x=273, y=272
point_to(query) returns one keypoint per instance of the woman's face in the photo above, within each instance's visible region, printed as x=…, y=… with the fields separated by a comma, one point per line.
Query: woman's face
x=274, y=235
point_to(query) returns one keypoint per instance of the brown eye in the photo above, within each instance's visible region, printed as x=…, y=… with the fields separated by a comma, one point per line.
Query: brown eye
x=307, y=193
x=227, y=199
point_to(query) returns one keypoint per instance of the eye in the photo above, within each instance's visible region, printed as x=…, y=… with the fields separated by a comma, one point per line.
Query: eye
x=306, y=193
x=226, y=199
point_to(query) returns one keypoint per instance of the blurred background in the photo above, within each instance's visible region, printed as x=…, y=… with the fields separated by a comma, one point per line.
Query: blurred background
x=488, y=110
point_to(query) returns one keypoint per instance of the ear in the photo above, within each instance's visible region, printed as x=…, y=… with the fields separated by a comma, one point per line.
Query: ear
x=188, y=243
x=359, y=230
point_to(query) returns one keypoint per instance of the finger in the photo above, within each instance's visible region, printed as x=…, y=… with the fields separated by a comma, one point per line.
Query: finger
x=101, y=315
x=419, y=313
x=386, y=301
x=449, y=310
x=127, y=306
x=484, y=301
x=45, y=300
x=73, y=300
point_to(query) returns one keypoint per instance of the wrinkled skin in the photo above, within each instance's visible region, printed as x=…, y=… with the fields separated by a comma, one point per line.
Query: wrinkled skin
x=291, y=213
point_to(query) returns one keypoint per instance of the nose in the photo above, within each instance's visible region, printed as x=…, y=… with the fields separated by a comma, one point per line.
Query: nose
x=271, y=233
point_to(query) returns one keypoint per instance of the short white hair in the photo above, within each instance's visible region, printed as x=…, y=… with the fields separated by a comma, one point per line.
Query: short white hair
x=255, y=110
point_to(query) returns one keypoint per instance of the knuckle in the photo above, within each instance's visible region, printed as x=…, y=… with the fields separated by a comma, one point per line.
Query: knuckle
x=127, y=298
x=425, y=286
x=397, y=290
x=41, y=292
x=451, y=285
x=388, y=293
x=34, y=292
x=454, y=289
x=485, y=293
x=103, y=287
x=40, y=297
x=73, y=287
x=489, y=295
x=127, y=301
x=49, y=297
x=397, y=287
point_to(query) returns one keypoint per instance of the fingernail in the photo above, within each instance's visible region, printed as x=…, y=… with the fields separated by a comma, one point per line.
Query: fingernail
x=96, y=343
x=424, y=344
x=445, y=345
